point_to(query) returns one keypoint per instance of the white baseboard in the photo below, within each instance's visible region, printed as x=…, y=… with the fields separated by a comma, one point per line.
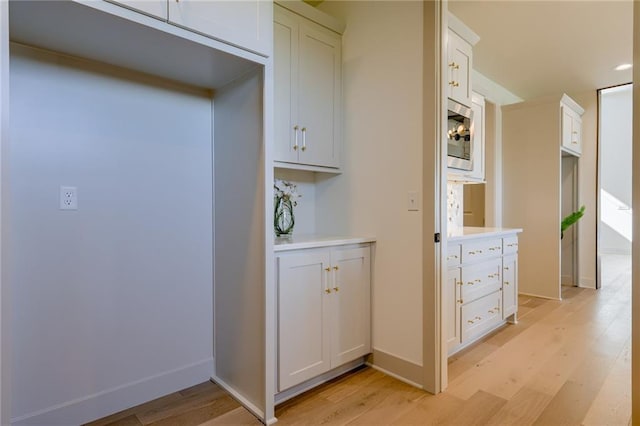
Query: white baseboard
x=250, y=406
x=587, y=283
x=110, y=401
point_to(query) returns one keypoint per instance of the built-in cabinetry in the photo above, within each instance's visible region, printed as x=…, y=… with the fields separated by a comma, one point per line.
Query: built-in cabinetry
x=460, y=42
x=482, y=286
x=307, y=69
x=571, y=139
x=324, y=313
x=536, y=134
x=459, y=60
x=240, y=23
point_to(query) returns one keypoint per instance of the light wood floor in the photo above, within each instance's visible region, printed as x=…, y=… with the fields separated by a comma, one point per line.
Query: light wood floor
x=564, y=363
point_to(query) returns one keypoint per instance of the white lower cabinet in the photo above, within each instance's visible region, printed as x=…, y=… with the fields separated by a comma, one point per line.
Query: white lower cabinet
x=323, y=311
x=481, y=291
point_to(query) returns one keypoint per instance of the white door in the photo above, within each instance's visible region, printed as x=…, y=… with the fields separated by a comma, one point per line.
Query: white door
x=452, y=308
x=285, y=70
x=319, y=95
x=509, y=284
x=350, y=317
x=459, y=55
x=303, y=297
x=242, y=23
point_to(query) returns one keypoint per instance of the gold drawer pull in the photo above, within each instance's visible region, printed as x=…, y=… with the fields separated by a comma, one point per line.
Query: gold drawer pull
x=328, y=290
x=454, y=83
x=470, y=321
x=478, y=280
x=506, y=268
x=460, y=301
x=327, y=269
x=335, y=268
x=454, y=65
x=490, y=311
x=506, y=283
x=336, y=289
x=479, y=318
x=470, y=283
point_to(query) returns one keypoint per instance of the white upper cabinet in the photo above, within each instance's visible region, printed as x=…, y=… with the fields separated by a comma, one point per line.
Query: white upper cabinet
x=242, y=23
x=155, y=8
x=246, y=24
x=460, y=42
x=571, y=126
x=459, y=59
x=307, y=68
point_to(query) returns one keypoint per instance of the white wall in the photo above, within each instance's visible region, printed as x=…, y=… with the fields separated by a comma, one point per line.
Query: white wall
x=616, y=120
x=587, y=188
x=112, y=302
x=382, y=159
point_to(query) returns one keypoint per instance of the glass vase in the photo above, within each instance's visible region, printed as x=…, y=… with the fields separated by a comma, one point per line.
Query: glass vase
x=283, y=219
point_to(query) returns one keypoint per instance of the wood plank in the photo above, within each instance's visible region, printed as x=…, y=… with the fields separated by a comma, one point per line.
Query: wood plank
x=523, y=409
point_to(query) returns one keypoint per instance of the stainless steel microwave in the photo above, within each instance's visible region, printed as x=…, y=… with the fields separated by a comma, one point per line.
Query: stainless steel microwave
x=459, y=136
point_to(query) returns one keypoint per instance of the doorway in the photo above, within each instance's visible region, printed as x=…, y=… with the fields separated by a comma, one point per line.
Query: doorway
x=615, y=122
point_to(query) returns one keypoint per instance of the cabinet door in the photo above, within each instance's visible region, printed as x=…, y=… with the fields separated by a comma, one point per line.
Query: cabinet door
x=243, y=23
x=350, y=318
x=319, y=94
x=571, y=131
x=303, y=337
x=459, y=63
x=156, y=8
x=285, y=70
x=509, y=285
x=452, y=309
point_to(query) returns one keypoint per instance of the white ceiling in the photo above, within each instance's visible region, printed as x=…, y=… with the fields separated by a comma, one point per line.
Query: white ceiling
x=539, y=48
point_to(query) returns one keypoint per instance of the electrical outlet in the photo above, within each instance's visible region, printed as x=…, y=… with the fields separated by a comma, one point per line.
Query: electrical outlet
x=413, y=202
x=68, y=198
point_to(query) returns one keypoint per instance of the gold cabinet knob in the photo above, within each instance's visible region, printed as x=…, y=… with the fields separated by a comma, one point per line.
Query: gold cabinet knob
x=460, y=301
x=506, y=283
x=506, y=268
x=327, y=269
x=335, y=268
x=328, y=290
x=336, y=289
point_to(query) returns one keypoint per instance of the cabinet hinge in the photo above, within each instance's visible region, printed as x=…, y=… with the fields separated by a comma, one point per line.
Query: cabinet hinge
x=436, y=237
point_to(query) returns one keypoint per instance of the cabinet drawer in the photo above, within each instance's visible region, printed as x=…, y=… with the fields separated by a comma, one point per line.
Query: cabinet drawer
x=453, y=254
x=481, y=279
x=481, y=315
x=510, y=245
x=482, y=249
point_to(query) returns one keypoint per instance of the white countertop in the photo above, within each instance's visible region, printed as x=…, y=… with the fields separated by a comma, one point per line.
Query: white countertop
x=297, y=242
x=467, y=232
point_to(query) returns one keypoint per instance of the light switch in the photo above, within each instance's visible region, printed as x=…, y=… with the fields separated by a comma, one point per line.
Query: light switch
x=413, y=202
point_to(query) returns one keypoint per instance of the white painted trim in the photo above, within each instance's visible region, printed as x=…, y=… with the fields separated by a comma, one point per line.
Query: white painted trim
x=485, y=334
x=270, y=292
x=586, y=283
x=492, y=91
x=5, y=295
x=101, y=404
x=395, y=376
x=240, y=398
x=292, y=166
x=310, y=12
x=287, y=394
x=572, y=104
x=538, y=296
x=460, y=28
